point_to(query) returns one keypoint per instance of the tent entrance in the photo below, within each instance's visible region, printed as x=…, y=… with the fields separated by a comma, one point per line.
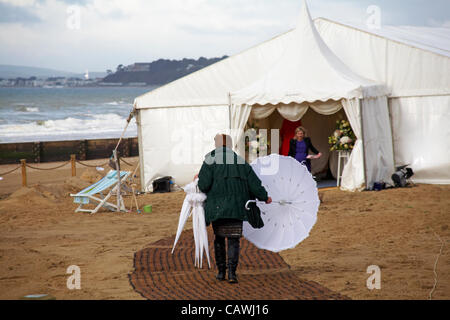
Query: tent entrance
x=319, y=128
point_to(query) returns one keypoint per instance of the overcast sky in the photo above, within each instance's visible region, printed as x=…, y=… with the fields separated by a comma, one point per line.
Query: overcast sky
x=75, y=35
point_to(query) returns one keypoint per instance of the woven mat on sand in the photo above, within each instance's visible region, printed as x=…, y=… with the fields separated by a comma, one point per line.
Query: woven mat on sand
x=263, y=275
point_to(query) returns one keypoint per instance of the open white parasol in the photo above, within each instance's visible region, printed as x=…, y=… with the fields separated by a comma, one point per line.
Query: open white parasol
x=293, y=211
x=193, y=205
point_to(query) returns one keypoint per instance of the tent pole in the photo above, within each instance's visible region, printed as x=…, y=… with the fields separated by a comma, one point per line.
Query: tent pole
x=229, y=118
x=389, y=100
x=130, y=116
x=116, y=160
x=364, y=139
x=141, y=150
x=229, y=111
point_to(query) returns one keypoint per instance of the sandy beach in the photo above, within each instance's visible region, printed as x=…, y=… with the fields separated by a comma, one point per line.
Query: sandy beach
x=403, y=231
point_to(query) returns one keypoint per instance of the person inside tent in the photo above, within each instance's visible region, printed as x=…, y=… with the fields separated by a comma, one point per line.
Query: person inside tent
x=287, y=132
x=300, y=146
x=228, y=182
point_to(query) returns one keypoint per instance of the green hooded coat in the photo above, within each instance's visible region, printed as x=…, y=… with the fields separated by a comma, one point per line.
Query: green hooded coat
x=229, y=182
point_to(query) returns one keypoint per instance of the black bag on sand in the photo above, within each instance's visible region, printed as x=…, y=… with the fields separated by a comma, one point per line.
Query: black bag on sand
x=161, y=185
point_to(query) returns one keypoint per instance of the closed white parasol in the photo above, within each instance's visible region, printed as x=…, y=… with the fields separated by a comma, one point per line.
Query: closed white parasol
x=193, y=204
x=293, y=211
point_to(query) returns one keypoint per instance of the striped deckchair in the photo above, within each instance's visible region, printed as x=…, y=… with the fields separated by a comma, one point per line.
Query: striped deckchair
x=87, y=195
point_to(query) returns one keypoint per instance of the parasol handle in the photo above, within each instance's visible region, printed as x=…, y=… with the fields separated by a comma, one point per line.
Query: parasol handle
x=246, y=204
x=280, y=202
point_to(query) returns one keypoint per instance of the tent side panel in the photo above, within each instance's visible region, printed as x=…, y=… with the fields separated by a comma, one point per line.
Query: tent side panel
x=404, y=69
x=412, y=71
x=175, y=140
x=421, y=134
x=379, y=157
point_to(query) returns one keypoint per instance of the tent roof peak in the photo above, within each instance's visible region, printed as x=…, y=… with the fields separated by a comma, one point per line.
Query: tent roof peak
x=306, y=71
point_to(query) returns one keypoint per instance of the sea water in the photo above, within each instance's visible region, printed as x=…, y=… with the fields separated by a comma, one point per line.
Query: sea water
x=53, y=114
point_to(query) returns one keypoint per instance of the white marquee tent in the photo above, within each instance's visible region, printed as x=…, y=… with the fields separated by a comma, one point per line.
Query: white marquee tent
x=309, y=74
x=176, y=122
x=414, y=64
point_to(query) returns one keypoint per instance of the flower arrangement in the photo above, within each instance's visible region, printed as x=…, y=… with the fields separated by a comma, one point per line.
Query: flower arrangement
x=343, y=137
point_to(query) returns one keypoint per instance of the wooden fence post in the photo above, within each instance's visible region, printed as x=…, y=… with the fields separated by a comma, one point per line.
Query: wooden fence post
x=37, y=151
x=74, y=167
x=23, y=162
x=126, y=148
x=82, y=150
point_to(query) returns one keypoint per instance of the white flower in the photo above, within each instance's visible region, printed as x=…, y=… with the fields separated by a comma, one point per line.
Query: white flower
x=337, y=133
x=345, y=140
x=254, y=144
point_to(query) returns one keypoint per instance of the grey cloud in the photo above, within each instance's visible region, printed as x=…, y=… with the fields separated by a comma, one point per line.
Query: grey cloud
x=408, y=12
x=14, y=14
x=114, y=14
x=76, y=2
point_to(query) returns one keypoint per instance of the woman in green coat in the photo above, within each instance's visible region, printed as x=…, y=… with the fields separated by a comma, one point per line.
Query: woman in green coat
x=229, y=182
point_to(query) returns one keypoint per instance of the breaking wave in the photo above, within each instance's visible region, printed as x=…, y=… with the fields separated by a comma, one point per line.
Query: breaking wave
x=27, y=109
x=95, y=126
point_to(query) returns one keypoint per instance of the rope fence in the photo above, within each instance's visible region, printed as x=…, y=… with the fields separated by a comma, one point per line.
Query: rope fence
x=10, y=171
x=73, y=161
x=57, y=167
x=131, y=165
x=90, y=165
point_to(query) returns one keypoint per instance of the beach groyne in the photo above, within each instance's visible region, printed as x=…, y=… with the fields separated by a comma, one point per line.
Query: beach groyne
x=49, y=151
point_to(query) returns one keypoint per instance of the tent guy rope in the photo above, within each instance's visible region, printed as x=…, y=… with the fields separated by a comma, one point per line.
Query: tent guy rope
x=435, y=265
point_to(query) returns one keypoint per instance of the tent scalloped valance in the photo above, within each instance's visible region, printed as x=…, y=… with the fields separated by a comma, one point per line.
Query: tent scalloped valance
x=295, y=111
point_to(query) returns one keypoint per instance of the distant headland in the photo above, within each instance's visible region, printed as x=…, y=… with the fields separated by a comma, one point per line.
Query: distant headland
x=154, y=73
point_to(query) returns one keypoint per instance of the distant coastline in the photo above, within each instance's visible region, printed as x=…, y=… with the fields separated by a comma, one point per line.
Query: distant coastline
x=82, y=86
x=139, y=74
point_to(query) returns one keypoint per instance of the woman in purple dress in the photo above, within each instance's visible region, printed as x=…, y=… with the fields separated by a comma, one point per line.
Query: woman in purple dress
x=300, y=146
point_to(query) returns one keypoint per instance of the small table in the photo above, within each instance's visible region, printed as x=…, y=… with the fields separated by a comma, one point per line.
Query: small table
x=342, y=154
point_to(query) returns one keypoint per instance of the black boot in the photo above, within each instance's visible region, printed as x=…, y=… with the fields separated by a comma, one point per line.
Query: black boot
x=220, y=254
x=233, y=259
